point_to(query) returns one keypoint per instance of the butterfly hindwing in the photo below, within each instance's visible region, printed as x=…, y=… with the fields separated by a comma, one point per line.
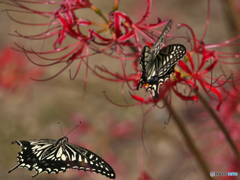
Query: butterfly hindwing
x=51, y=156
x=156, y=81
x=167, y=57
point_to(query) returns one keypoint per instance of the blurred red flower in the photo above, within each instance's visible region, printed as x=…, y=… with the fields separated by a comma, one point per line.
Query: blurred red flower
x=14, y=71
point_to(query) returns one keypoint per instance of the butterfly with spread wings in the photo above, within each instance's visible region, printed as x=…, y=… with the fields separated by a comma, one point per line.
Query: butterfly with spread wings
x=158, y=64
x=54, y=156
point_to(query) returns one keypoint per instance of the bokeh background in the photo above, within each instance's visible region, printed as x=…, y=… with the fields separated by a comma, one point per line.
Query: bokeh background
x=32, y=110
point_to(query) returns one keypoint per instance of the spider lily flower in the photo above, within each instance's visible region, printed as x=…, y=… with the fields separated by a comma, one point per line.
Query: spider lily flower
x=201, y=72
x=14, y=71
x=65, y=23
x=200, y=75
x=124, y=35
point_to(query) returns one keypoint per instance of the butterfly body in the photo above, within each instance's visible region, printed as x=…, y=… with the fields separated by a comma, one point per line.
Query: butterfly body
x=158, y=64
x=54, y=156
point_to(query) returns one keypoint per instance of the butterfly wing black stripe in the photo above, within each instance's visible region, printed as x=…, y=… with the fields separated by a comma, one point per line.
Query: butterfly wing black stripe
x=89, y=161
x=168, y=56
x=144, y=56
x=156, y=48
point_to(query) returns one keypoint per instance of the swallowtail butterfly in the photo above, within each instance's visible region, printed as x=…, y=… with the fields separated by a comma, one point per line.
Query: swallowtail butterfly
x=158, y=64
x=55, y=156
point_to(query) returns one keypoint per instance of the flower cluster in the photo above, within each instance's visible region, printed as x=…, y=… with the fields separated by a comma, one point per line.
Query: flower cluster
x=123, y=43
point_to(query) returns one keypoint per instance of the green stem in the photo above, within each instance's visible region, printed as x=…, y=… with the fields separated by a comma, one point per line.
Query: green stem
x=115, y=7
x=189, y=141
x=219, y=123
x=99, y=12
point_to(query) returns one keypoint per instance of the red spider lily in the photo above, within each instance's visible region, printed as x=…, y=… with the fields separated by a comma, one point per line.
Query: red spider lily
x=193, y=74
x=199, y=76
x=66, y=23
x=14, y=70
x=200, y=73
x=124, y=35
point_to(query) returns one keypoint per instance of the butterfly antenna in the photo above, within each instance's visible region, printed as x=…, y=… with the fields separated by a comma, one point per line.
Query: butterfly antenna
x=60, y=128
x=73, y=129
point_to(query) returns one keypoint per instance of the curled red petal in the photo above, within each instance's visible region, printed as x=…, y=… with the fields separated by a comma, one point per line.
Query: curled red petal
x=190, y=60
x=138, y=98
x=125, y=17
x=184, y=67
x=100, y=37
x=84, y=22
x=209, y=68
x=117, y=24
x=126, y=37
x=147, y=12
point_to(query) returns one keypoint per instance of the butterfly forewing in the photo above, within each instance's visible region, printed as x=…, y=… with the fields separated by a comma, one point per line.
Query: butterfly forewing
x=93, y=161
x=51, y=156
x=156, y=48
